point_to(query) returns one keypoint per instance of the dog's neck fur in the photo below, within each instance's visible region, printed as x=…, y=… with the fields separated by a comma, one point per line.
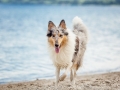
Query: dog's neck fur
x=65, y=56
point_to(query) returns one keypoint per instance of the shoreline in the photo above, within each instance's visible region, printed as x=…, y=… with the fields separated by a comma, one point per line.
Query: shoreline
x=106, y=81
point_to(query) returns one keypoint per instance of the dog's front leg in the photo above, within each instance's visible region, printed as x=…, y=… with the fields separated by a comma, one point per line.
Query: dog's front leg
x=63, y=76
x=57, y=76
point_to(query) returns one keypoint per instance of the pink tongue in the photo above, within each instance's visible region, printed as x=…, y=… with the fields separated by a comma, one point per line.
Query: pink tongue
x=56, y=49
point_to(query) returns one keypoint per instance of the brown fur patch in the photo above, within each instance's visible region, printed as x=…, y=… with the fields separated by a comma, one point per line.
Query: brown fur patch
x=64, y=41
x=61, y=41
x=50, y=40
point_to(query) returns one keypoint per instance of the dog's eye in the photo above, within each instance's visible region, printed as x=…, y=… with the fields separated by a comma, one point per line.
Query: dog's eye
x=61, y=35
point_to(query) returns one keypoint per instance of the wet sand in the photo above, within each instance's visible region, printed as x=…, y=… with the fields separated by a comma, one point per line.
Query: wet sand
x=107, y=81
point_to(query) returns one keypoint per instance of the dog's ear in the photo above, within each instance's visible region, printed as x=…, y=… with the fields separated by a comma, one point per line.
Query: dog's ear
x=50, y=25
x=62, y=24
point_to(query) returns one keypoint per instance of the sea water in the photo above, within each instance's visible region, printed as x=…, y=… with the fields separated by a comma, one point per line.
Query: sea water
x=23, y=42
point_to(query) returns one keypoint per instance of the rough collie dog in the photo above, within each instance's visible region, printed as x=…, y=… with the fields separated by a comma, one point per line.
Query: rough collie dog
x=67, y=48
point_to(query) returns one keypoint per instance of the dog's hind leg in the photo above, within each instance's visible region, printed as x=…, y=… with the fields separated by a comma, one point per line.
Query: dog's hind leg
x=63, y=76
x=73, y=75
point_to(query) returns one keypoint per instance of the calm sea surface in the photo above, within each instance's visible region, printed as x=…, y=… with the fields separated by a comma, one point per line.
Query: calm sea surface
x=23, y=42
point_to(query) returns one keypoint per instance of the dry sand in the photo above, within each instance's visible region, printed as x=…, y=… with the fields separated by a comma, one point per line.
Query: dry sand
x=108, y=81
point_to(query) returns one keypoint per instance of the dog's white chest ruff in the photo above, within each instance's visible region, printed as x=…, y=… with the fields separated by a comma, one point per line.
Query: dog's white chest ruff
x=62, y=59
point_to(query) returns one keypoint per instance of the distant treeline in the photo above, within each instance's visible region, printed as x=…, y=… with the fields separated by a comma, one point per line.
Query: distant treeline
x=69, y=2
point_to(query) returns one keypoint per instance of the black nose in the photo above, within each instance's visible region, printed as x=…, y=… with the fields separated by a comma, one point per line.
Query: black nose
x=56, y=45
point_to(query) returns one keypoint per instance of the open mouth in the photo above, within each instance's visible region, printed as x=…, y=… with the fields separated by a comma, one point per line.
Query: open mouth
x=57, y=48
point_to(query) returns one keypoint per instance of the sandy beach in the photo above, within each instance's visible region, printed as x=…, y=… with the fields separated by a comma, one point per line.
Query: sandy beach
x=107, y=81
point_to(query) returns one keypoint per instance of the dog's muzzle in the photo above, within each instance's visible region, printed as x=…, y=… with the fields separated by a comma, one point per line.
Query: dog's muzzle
x=56, y=48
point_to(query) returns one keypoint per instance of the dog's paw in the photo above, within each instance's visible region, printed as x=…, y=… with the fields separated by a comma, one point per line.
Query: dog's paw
x=62, y=77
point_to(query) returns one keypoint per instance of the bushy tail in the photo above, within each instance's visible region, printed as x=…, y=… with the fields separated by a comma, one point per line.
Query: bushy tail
x=79, y=27
x=82, y=37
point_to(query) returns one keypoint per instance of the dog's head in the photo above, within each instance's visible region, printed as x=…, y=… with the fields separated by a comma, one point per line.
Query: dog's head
x=57, y=36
